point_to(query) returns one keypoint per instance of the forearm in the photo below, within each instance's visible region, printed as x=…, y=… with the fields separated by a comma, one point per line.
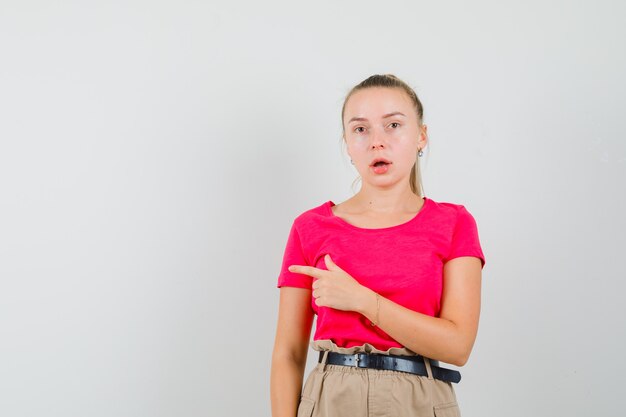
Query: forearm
x=433, y=337
x=285, y=385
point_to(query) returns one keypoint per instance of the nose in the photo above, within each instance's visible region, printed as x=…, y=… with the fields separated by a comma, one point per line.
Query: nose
x=377, y=140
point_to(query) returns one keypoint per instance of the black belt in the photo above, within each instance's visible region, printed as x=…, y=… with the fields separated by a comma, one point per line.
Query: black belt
x=410, y=364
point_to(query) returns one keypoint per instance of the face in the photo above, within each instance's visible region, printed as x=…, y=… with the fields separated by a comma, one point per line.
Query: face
x=382, y=122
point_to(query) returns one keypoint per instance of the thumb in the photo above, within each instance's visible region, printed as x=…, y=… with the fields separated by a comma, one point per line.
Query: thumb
x=330, y=264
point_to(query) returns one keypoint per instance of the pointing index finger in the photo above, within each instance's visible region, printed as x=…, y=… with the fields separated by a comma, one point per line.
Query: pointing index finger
x=306, y=270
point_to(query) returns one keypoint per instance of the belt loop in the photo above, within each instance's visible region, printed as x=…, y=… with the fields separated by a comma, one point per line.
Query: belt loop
x=321, y=366
x=428, y=370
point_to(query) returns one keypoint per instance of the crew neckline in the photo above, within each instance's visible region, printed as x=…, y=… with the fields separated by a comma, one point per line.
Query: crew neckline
x=330, y=203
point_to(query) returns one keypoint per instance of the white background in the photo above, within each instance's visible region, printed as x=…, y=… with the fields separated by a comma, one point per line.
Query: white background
x=154, y=154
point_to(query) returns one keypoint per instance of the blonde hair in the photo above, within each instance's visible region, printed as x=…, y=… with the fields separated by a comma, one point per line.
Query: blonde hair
x=391, y=81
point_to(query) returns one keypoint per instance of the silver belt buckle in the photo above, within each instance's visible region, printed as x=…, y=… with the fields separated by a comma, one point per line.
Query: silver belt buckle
x=357, y=359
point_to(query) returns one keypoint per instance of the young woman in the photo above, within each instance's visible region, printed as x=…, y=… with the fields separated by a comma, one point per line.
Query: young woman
x=393, y=277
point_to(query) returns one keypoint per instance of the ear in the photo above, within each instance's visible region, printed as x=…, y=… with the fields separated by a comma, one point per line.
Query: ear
x=422, y=139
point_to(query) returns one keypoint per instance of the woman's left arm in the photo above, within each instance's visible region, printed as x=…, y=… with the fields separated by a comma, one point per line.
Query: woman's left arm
x=449, y=337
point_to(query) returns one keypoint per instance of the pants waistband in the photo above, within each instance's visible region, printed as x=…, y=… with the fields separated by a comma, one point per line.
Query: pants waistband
x=415, y=364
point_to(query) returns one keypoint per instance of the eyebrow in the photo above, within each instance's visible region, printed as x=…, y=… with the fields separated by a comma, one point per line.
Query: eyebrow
x=363, y=119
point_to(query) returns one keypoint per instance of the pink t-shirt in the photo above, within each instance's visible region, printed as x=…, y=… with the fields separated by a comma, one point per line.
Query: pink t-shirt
x=403, y=263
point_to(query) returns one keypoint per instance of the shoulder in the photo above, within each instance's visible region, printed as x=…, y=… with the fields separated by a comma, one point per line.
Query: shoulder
x=311, y=225
x=449, y=210
x=312, y=215
x=454, y=214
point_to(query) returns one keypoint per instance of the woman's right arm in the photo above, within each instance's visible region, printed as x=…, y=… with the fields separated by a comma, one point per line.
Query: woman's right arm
x=295, y=318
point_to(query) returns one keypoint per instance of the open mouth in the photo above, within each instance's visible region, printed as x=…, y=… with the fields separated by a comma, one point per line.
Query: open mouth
x=379, y=162
x=380, y=166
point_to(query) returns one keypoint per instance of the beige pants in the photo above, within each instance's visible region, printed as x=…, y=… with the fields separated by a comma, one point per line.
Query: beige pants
x=345, y=391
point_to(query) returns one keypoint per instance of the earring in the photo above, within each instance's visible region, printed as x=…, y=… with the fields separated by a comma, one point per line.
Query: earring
x=352, y=162
x=420, y=153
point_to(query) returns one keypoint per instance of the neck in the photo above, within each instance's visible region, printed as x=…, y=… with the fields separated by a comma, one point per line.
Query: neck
x=387, y=201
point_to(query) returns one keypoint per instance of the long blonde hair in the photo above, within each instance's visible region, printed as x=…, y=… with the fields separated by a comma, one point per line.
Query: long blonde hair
x=391, y=81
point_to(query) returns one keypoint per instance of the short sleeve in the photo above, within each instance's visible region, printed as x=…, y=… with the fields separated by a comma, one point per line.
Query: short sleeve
x=465, y=240
x=293, y=255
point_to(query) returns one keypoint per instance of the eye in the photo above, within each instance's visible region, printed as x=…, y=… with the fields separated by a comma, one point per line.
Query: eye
x=395, y=123
x=357, y=129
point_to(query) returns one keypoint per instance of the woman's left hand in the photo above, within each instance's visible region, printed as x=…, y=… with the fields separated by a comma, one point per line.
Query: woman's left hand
x=333, y=287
